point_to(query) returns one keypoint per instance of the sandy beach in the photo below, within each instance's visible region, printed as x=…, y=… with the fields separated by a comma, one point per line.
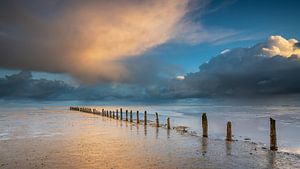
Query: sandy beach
x=55, y=137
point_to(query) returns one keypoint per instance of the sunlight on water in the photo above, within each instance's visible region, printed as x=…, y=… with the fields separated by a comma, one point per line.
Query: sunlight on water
x=54, y=137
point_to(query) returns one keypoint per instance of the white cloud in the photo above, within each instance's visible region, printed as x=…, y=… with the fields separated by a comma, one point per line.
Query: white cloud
x=225, y=51
x=278, y=45
x=180, y=77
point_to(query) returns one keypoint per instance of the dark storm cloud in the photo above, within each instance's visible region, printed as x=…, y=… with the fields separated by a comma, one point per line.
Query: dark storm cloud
x=240, y=72
x=22, y=86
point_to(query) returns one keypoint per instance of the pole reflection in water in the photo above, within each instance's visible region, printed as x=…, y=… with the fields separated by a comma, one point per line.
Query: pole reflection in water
x=204, y=145
x=168, y=133
x=137, y=129
x=145, y=130
x=228, y=147
x=130, y=127
x=271, y=159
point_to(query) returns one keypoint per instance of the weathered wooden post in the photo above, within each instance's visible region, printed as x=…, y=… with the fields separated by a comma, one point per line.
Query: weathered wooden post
x=131, y=116
x=113, y=114
x=168, y=123
x=102, y=112
x=106, y=113
x=273, y=139
x=110, y=113
x=204, y=125
x=145, y=118
x=121, y=114
x=117, y=114
x=137, y=117
x=157, y=120
x=229, y=133
x=126, y=115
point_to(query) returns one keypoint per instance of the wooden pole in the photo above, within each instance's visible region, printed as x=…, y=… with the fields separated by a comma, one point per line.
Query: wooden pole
x=131, y=116
x=229, y=133
x=157, y=120
x=110, y=113
x=204, y=125
x=113, y=114
x=273, y=139
x=126, y=115
x=121, y=114
x=145, y=118
x=168, y=123
x=117, y=114
x=137, y=117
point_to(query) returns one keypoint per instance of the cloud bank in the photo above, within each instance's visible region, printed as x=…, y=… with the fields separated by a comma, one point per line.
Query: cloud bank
x=239, y=72
x=87, y=39
x=269, y=68
x=22, y=86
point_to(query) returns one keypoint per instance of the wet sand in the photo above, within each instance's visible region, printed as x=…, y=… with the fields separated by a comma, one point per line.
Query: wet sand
x=58, y=138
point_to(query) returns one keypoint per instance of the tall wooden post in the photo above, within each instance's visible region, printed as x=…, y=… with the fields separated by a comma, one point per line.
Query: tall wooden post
x=126, y=115
x=131, y=116
x=110, y=114
x=113, y=114
x=168, y=123
x=204, y=125
x=273, y=139
x=121, y=114
x=102, y=112
x=145, y=118
x=137, y=117
x=117, y=114
x=157, y=120
x=229, y=133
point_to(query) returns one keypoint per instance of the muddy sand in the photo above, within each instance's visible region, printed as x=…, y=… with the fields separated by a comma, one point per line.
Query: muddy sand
x=57, y=138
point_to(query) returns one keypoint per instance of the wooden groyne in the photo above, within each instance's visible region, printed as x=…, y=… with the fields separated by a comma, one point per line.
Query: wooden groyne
x=115, y=115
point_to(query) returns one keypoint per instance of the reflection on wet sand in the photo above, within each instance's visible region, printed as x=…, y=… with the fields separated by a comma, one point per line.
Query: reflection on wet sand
x=271, y=159
x=145, y=130
x=204, y=145
x=228, y=147
x=168, y=133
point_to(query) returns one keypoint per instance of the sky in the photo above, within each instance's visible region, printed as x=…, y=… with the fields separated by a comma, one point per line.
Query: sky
x=151, y=49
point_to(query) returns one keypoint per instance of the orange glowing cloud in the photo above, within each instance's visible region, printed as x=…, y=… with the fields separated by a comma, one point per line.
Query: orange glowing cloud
x=89, y=39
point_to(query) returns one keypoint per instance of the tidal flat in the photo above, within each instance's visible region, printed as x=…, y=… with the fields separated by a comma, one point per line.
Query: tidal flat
x=55, y=137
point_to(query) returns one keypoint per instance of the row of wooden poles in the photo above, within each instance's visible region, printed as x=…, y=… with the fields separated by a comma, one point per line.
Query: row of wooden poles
x=115, y=115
